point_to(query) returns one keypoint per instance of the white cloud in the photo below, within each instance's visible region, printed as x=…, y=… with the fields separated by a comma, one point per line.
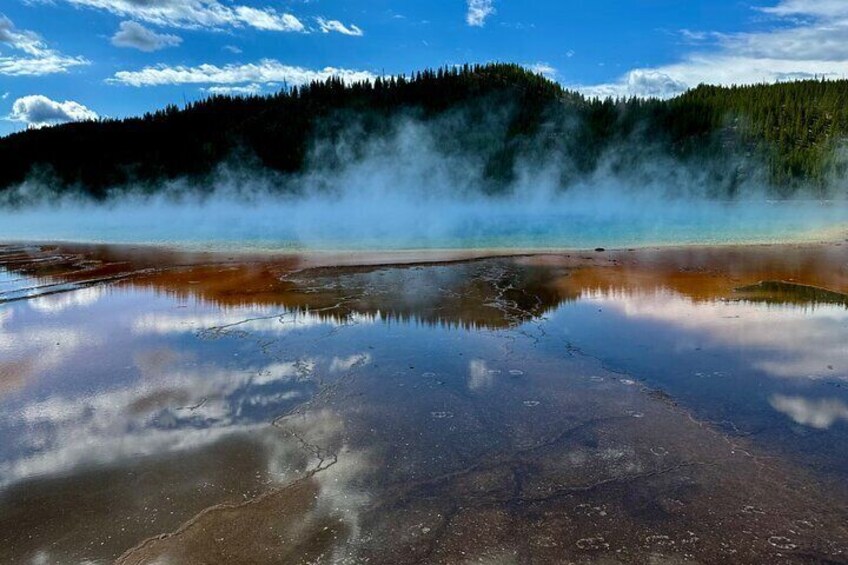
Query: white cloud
x=210, y=14
x=479, y=11
x=829, y=8
x=36, y=58
x=251, y=89
x=640, y=82
x=543, y=69
x=819, y=414
x=22, y=40
x=136, y=36
x=39, y=111
x=194, y=14
x=268, y=19
x=328, y=26
x=36, y=66
x=807, y=39
x=264, y=72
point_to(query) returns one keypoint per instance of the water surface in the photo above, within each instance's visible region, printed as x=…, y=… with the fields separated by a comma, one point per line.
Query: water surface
x=387, y=221
x=686, y=405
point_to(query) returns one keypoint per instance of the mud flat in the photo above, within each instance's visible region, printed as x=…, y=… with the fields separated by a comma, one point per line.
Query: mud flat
x=671, y=405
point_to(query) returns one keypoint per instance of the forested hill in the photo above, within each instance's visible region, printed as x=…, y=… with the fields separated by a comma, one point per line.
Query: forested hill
x=790, y=132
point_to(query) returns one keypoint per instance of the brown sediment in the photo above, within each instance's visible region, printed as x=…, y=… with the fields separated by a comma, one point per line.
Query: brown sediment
x=271, y=524
x=313, y=281
x=271, y=529
x=15, y=373
x=612, y=473
x=284, y=282
x=98, y=513
x=705, y=273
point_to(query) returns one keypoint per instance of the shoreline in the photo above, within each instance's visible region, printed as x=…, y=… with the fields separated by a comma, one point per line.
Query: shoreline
x=701, y=272
x=312, y=258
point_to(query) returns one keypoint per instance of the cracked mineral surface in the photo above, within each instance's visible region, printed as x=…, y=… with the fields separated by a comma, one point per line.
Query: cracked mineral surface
x=655, y=406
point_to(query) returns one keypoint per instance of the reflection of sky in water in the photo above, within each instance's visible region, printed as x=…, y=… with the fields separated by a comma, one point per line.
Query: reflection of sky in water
x=8, y=280
x=782, y=341
x=96, y=377
x=98, y=395
x=777, y=371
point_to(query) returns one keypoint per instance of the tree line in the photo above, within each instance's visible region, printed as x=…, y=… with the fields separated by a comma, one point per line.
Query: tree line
x=500, y=112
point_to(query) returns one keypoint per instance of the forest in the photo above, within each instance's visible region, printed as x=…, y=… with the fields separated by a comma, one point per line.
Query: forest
x=789, y=135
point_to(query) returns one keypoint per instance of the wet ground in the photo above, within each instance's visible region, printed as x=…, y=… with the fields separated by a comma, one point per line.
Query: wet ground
x=652, y=406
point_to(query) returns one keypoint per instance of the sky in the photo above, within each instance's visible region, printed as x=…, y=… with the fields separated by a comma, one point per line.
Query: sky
x=63, y=60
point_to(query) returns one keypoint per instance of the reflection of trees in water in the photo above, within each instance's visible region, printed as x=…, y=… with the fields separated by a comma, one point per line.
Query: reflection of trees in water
x=491, y=293
x=787, y=293
x=481, y=294
x=484, y=293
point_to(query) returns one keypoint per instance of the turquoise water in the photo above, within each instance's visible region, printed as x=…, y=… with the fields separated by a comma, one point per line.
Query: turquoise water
x=394, y=224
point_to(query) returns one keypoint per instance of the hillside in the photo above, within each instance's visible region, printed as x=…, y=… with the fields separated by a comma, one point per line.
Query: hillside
x=790, y=133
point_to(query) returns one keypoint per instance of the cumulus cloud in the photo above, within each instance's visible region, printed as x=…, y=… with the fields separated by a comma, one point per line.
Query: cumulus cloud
x=329, y=26
x=35, y=58
x=266, y=71
x=545, y=69
x=39, y=111
x=806, y=39
x=136, y=36
x=479, y=11
x=640, y=82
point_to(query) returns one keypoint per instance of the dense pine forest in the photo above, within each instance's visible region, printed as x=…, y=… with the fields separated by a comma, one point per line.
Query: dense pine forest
x=788, y=135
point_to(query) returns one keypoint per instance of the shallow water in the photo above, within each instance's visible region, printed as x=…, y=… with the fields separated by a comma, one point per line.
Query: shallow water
x=391, y=222
x=561, y=408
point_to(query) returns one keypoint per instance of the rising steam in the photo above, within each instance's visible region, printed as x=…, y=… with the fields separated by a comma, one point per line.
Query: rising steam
x=411, y=187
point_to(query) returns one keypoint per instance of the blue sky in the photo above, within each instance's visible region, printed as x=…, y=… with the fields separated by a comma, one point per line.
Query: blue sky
x=75, y=59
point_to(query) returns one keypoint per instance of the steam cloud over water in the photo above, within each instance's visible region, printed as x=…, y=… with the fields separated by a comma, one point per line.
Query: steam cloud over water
x=408, y=190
